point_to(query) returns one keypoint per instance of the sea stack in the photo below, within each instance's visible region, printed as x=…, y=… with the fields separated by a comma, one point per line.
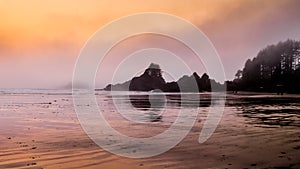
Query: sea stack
x=151, y=79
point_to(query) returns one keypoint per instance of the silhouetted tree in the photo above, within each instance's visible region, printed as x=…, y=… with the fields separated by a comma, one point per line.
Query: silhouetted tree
x=273, y=67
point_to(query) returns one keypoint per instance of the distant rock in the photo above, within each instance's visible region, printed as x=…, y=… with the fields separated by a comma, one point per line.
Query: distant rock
x=118, y=87
x=194, y=83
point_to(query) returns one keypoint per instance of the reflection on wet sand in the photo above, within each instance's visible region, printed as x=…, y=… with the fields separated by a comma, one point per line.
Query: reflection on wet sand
x=171, y=100
x=152, y=105
x=272, y=112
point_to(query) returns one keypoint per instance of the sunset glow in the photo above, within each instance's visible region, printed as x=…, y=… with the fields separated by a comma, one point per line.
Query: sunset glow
x=40, y=40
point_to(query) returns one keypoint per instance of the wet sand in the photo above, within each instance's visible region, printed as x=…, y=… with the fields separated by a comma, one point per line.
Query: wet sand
x=42, y=131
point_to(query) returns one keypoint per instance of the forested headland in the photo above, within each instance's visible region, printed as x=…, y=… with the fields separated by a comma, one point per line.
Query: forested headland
x=276, y=68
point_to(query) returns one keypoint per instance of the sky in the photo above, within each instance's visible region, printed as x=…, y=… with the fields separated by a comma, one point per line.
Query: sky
x=41, y=40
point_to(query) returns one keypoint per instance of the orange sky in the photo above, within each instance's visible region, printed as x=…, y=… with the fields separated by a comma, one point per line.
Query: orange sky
x=40, y=40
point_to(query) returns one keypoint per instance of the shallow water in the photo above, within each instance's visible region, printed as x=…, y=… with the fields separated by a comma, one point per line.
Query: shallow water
x=40, y=129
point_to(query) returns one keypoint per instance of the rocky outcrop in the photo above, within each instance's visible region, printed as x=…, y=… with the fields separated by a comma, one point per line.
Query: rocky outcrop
x=118, y=87
x=152, y=79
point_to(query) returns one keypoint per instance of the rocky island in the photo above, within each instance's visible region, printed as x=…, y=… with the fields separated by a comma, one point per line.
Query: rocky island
x=152, y=79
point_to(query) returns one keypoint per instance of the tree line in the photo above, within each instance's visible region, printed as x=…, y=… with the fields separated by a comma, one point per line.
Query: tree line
x=276, y=68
